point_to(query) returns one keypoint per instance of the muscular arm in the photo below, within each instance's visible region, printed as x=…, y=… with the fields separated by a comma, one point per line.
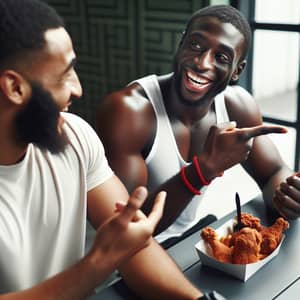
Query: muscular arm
x=264, y=163
x=75, y=283
x=159, y=280
x=125, y=124
x=134, y=232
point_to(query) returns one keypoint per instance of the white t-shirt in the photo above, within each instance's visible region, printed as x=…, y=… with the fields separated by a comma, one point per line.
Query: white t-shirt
x=43, y=207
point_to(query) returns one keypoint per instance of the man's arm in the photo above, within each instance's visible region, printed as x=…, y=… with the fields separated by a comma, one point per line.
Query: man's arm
x=280, y=185
x=150, y=273
x=126, y=124
x=133, y=230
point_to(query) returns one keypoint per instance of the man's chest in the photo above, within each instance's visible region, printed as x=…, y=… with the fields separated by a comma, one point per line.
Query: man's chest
x=34, y=205
x=190, y=140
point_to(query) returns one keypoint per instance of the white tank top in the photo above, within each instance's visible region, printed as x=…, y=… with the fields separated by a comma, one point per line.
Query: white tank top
x=164, y=159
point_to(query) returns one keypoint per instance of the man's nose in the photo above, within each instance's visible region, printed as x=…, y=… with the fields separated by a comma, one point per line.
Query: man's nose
x=76, y=88
x=205, y=60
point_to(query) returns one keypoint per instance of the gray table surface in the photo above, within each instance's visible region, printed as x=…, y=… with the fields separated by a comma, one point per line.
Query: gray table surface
x=279, y=279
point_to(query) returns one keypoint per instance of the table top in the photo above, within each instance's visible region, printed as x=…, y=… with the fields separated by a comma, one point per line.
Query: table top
x=278, y=279
x=291, y=292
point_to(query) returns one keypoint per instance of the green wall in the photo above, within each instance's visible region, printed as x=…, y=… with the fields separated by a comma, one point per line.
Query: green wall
x=120, y=40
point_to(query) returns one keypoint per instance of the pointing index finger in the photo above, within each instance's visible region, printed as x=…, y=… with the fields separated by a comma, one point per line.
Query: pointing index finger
x=262, y=130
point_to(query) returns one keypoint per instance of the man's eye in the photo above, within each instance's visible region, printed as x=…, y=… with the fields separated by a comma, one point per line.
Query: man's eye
x=223, y=58
x=195, y=45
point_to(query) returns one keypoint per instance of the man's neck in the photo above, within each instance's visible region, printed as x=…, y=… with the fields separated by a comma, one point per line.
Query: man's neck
x=11, y=151
x=11, y=155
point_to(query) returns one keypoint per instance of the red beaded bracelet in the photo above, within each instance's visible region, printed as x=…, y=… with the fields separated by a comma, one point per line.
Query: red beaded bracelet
x=199, y=172
x=187, y=183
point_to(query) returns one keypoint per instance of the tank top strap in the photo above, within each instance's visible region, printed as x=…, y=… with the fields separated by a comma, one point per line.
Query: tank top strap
x=220, y=107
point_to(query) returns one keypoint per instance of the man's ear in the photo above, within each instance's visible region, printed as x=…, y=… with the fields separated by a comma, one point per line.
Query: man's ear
x=14, y=86
x=238, y=71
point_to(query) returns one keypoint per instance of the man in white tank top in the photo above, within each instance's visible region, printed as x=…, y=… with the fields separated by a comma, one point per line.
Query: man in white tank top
x=167, y=132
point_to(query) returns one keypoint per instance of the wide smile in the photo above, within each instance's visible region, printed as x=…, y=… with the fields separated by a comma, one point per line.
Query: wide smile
x=197, y=83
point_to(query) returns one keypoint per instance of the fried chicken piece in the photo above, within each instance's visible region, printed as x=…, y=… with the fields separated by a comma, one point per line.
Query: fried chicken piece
x=272, y=235
x=220, y=251
x=248, y=220
x=246, y=246
x=227, y=240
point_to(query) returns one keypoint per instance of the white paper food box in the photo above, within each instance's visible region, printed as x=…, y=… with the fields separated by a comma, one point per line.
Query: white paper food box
x=242, y=272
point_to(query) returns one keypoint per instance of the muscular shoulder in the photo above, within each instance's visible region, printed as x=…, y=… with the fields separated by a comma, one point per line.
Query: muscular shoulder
x=125, y=118
x=242, y=107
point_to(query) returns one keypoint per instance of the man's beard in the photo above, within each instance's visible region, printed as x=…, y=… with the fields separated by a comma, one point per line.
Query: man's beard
x=38, y=122
x=182, y=99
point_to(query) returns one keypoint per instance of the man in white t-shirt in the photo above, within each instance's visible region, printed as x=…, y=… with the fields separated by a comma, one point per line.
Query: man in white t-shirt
x=54, y=174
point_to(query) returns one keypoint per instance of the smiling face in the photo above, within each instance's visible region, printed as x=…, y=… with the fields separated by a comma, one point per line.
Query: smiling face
x=54, y=83
x=207, y=60
x=53, y=69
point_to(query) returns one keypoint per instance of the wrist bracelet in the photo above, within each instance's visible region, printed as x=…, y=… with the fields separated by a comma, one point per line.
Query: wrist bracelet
x=187, y=184
x=199, y=172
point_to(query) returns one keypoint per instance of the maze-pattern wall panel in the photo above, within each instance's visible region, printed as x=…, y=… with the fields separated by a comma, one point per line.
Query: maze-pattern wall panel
x=117, y=41
x=162, y=25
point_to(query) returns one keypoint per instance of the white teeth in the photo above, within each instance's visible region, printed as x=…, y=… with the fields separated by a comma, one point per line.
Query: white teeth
x=196, y=79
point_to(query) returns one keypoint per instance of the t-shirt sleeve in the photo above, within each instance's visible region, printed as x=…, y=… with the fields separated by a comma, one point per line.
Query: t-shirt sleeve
x=91, y=151
x=98, y=169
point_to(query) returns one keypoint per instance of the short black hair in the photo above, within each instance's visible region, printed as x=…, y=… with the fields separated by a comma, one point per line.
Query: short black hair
x=226, y=14
x=22, y=27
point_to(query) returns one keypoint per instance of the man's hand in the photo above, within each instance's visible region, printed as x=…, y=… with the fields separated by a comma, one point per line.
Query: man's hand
x=287, y=197
x=130, y=230
x=227, y=146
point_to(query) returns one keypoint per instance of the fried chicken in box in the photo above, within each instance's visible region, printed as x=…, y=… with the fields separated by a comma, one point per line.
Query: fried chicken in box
x=246, y=246
x=250, y=244
x=220, y=251
x=271, y=236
